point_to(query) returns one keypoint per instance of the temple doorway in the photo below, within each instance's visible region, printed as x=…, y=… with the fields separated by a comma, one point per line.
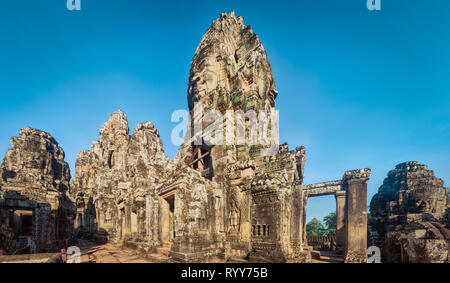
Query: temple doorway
x=321, y=222
x=167, y=219
x=21, y=221
x=122, y=223
x=26, y=227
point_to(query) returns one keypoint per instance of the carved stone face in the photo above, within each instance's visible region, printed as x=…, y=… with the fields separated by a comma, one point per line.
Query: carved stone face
x=231, y=69
x=206, y=77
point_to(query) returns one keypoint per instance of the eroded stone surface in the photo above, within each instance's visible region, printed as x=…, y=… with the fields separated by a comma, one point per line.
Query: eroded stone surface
x=227, y=202
x=34, y=182
x=222, y=201
x=410, y=197
x=230, y=69
x=119, y=169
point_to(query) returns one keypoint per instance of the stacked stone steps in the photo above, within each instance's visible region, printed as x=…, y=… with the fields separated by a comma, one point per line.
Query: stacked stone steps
x=237, y=260
x=157, y=258
x=325, y=257
x=160, y=255
x=164, y=250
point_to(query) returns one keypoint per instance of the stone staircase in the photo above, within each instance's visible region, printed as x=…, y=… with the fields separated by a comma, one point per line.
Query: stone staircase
x=237, y=260
x=325, y=257
x=160, y=255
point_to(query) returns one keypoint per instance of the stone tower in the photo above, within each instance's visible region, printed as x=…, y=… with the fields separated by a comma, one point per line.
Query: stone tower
x=230, y=69
x=243, y=198
x=33, y=186
x=409, y=214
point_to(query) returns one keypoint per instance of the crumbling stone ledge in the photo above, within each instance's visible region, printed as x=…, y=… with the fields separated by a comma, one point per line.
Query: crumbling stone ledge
x=28, y=258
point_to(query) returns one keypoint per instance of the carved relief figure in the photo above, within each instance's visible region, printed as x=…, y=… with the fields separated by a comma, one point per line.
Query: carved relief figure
x=234, y=217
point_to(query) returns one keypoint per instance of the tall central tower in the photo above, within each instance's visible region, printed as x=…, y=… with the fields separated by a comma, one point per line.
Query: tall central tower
x=230, y=69
x=230, y=73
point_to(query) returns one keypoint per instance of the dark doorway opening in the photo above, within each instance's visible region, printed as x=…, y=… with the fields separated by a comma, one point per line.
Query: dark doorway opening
x=26, y=227
x=171, y=201
x=122, y=223
x=167, y=218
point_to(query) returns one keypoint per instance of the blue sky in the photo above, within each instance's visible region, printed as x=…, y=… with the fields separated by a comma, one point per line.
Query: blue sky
x=358, y=88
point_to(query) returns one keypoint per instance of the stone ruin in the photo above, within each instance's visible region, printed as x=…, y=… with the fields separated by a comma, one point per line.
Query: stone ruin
x=409, y=216
x=113, y=181
x=33, y=186
x=212, y=203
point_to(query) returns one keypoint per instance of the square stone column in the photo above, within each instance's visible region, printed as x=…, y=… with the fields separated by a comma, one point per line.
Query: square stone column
x=355, y=183
x=341, y=210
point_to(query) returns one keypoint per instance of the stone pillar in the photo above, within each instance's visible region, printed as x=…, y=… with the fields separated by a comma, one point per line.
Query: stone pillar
x=97, y=219
x=128, y=220
x=297, y=216
x=341, y=203
x=141, y=222
x=246, y=222
x=304, y=232
x=355, y=183
x=156, y=223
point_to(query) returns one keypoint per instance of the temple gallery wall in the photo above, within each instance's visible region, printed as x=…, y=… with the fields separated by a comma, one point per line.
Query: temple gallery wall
x=210, y=202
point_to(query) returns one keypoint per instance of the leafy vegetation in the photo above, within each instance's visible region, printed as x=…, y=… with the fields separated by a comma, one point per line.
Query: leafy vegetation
x=330, y=221
x=316, y=228
x=235, y=98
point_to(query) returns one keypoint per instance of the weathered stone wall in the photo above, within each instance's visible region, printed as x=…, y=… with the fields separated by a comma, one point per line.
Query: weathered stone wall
x=277, y=210
x=35, y=178
x=199, y=216
x=230, y=69
x=447, y=218
x=224, y=201
x=410, y=197
x=115, y=176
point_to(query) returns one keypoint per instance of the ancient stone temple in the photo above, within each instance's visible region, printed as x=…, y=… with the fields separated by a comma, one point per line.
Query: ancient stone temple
x=233, y=200
x=33, y=185
x=113, y=182
x=409, y=215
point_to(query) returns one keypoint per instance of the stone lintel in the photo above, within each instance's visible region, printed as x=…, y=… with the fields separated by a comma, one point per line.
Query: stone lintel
x=323, y=189
x=169, y=189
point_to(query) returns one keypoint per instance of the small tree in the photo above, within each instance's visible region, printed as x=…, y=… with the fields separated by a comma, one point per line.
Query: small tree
x=330, y=221
x=314, y=227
